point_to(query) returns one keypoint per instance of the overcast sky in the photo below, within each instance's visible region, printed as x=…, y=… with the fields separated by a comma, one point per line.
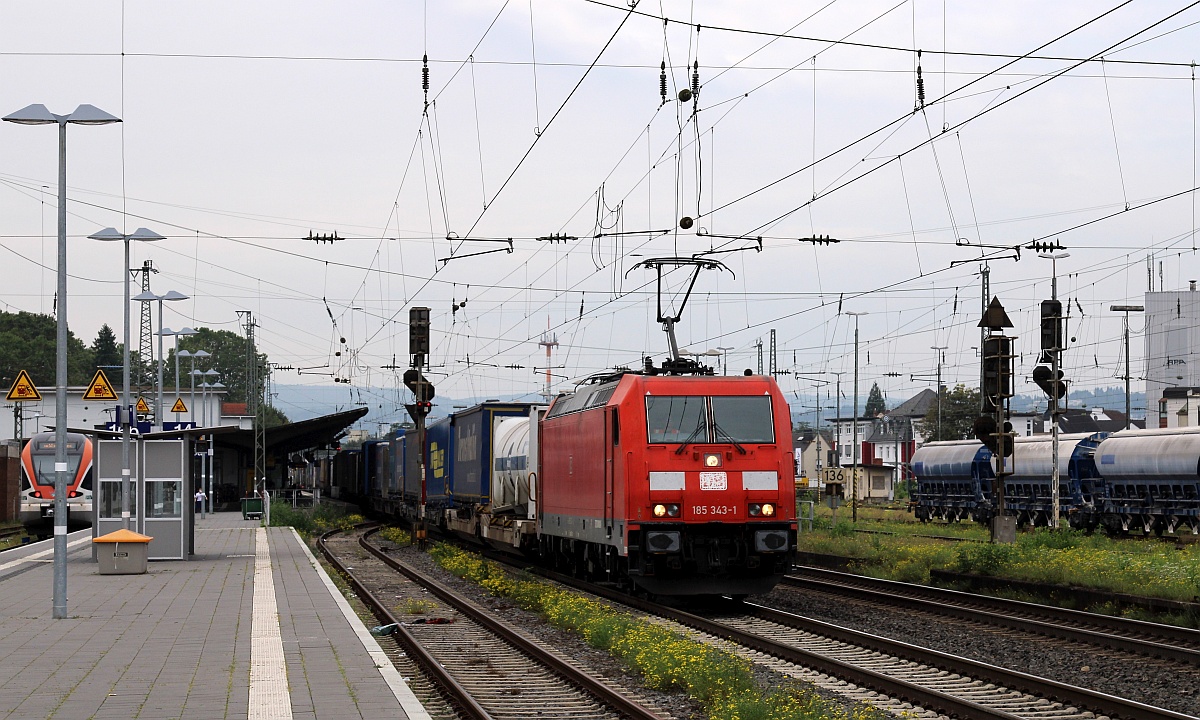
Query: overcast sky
x=248, y=125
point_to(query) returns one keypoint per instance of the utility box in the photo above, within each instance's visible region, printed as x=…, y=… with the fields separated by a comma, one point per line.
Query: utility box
x=122, y=552
x=252, y=508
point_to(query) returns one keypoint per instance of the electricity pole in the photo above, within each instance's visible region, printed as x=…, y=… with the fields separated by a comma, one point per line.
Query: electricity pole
x=854, y=469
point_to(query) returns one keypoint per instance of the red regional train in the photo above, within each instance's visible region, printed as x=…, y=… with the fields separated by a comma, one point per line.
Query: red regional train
x=37, y=482
x=673, y=484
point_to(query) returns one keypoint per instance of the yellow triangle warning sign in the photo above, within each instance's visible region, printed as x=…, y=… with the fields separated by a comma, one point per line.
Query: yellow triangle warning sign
x=178, y=407
x=141, y=406
x=100, y=388
x=23, y=389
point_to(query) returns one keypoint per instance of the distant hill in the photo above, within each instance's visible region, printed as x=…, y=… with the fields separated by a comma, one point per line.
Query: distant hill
x=1112, y=398
x=303, y=402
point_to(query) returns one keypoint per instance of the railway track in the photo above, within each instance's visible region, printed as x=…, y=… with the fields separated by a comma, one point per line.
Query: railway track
x=483, y=666
x=1168, y=642
x=933, y=681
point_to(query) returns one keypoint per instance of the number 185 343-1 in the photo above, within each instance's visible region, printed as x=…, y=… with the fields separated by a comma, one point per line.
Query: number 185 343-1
x=714, y=510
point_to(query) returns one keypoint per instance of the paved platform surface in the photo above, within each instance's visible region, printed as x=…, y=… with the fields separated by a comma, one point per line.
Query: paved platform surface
x=191, y=639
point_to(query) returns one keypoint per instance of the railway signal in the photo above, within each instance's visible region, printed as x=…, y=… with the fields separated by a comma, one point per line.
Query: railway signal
x=418, y=334
x=1050, y=381
x=1051, y=328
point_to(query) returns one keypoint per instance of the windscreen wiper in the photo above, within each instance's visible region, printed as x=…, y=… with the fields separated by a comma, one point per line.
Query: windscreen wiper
x=722, y=434
x=690, y=438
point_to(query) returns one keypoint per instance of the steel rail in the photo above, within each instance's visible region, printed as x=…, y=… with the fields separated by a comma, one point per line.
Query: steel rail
x=598, y=689
x=1012, y=614
x=458, y=695
x=1101, y=703
x=917, y=695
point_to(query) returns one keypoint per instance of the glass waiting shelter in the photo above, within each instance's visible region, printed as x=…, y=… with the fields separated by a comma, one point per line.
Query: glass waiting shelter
x=161, y=485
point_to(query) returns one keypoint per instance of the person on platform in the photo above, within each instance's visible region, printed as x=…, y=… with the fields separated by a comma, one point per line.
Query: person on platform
x=200, y=498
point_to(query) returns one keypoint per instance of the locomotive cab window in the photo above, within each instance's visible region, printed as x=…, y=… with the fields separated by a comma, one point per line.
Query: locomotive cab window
x=743, y=418
x=676, y=419
x=719, y=419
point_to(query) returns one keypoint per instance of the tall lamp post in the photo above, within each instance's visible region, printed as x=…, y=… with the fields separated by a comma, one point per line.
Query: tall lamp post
x=724, y=359
x=1128, y=371
x=854, y=469
x=39, y=115
x=192, y=387
x=124, y=416
x=940, y=355
x=185, y=332
x=147, y=297
x=1055, y=361
x=206, y=457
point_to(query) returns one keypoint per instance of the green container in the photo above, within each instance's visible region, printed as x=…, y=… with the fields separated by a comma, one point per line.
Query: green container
x=252, y=508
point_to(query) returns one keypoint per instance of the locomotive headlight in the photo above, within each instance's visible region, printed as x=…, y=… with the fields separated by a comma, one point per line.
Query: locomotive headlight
x=712, y=460
x=754, y=509
x=768, y=510
x=666, y=510
x=660, y=510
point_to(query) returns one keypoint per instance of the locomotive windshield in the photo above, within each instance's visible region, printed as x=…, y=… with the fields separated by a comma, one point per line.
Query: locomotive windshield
x=743, y=418
x=43, y=467
x=692, y=418
x=675, y=419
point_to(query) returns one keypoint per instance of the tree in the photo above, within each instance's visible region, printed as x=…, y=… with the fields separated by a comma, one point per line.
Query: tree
x=959, y=408
x=28, y=341
x=105, y=350
x=229, y=358
x=875, y=404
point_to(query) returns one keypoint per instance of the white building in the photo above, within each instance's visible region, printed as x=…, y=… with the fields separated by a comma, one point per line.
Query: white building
x=38, y=415
x=1172, y=336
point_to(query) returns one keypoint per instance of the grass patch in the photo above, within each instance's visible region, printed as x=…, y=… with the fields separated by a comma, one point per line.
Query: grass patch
x=722, y=682
x=416, y=606
x=313, y=521
x=1058, y=557
x=396, y=536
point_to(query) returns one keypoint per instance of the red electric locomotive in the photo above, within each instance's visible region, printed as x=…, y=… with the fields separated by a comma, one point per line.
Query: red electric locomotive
x=683, y=485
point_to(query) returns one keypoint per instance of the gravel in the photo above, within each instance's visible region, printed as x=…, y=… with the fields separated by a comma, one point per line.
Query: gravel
x=1148, y=680
x=678, y=704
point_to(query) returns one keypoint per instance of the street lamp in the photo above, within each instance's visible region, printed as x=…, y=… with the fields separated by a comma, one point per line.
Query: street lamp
x=192, y=389
x=724, y=359
x=39, y=115
x=206, y=458
x=124, y=416
x=185, y=332
x=147, y=296
x=1054, y=364
x=1128, y=309
x=854, y=469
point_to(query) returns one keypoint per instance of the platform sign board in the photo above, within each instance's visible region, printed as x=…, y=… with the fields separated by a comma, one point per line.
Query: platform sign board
x=23, y=389
x=100, y=388
x=184, y=425
x=135, y=429
x=179, y=407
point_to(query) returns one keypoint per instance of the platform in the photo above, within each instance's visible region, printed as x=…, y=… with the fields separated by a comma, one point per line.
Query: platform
x=252, y=627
